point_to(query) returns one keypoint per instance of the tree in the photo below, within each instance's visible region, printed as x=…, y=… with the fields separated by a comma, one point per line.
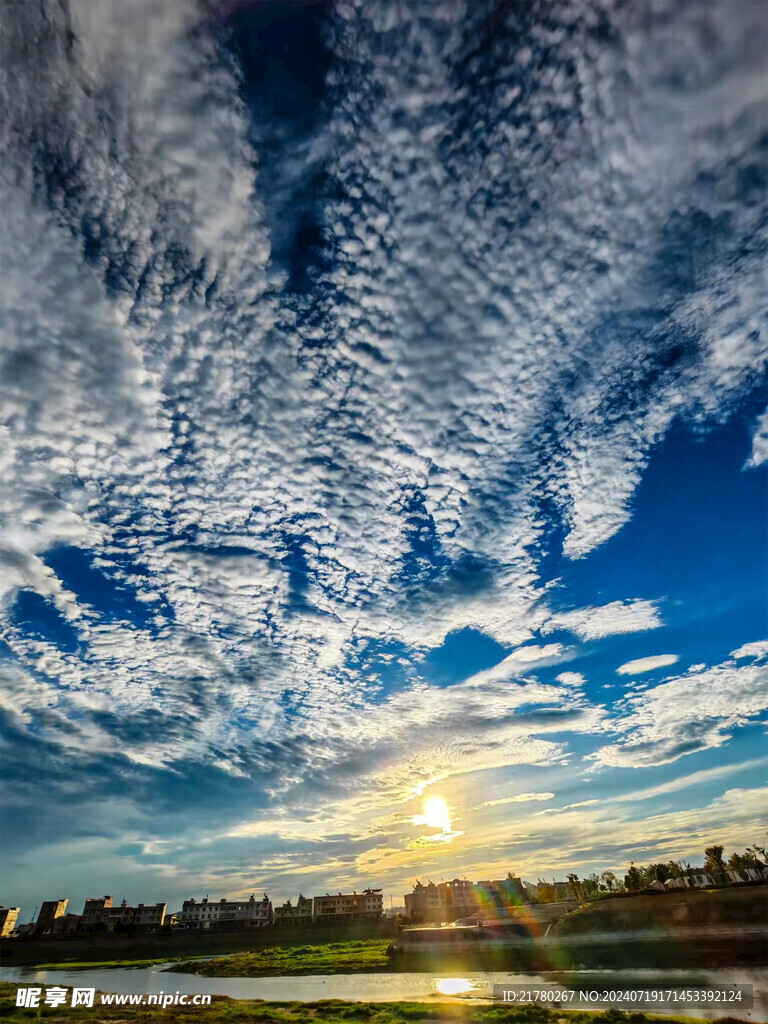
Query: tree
x=748, y=859
x=656, y=873
x=739, y=861
x=714, y=858
x=610, y=880
x=633, y=880
x=575, y=887
x=591, y=886
x=674, y=870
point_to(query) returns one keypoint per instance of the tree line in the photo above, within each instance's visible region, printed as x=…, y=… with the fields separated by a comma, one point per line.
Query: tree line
x=641, y=876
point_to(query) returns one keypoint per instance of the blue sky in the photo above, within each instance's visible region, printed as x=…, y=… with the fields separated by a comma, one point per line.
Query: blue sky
x=383, y=397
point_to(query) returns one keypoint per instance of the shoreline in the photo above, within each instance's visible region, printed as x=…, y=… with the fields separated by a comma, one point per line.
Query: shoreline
x=332, y=1011
x=646, y=952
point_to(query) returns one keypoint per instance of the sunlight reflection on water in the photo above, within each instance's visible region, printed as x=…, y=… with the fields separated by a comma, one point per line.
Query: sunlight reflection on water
x=454, y=986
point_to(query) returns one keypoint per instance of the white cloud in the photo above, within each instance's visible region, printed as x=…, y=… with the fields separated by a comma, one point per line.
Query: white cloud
x=642, y=665
x=571, y=679
x=520, y=798
x=686, y=714
x=706, y=775
x=759, y=453
x=735, y=818
x=518, y=662
x=607, y=620
x=758, y=649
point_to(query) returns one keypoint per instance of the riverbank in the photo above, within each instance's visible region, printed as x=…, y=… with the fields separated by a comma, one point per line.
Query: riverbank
x=688, y=949
x=620, y=952
x=161, y=947
x=687, y=929
x=745, y=908
x=228, y=1011
x=361, y=956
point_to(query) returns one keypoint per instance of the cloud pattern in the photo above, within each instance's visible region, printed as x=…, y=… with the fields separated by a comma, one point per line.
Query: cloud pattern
x=300, y=377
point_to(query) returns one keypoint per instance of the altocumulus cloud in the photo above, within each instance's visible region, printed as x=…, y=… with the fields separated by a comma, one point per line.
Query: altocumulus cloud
x=641, y=665
x=233, y=463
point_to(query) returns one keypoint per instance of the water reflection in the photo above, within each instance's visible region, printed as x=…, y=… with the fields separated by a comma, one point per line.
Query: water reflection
x=387, y=987
x=454, y=986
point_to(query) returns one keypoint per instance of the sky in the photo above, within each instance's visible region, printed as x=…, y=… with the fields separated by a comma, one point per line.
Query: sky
x=384, y=418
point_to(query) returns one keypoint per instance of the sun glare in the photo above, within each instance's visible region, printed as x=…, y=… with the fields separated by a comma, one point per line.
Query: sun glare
x=436, y=814
x=454, y=986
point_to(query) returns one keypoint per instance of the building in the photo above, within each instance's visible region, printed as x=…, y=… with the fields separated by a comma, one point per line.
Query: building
x=654, y=886
x=741, y=876
x=223, y=913
x=458, y=899
x=502, y=893
x=555, y=892
x=445, y=901
x=8, y=917
x=49, y=911
x=289, y=914
x=145, y=917
x=461, y=896
x=94, y=917
x=700, y=880
x=100, y=915
x=425, y=903
x=66, y=924
x=365, y=905
x=676, y=883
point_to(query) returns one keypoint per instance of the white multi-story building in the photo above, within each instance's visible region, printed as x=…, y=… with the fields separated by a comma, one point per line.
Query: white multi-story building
x=445, y=901
x=98, y=913
x=251, y=913
x=292, y=914
x=349, y=906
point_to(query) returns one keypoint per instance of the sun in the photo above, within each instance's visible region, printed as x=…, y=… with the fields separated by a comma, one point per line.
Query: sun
x=436, y=814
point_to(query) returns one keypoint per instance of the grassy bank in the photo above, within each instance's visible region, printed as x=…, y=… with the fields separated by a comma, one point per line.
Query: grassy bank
x=164, y=946
x=91, y=965
x=704, y=908
x=230, y=1011
x=370, y=956
x=360, y=956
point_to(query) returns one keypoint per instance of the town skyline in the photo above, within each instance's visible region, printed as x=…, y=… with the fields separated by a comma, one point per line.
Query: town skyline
x=735, y=858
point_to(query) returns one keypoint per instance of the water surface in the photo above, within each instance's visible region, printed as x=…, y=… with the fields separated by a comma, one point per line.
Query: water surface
x=474, y=987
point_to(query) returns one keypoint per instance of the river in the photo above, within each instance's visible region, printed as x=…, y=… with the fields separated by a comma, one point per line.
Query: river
x=418, y=987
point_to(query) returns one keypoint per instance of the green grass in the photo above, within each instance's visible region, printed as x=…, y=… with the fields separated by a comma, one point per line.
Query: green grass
x=230, y=1011
x=362, y=955
x=67, y=965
